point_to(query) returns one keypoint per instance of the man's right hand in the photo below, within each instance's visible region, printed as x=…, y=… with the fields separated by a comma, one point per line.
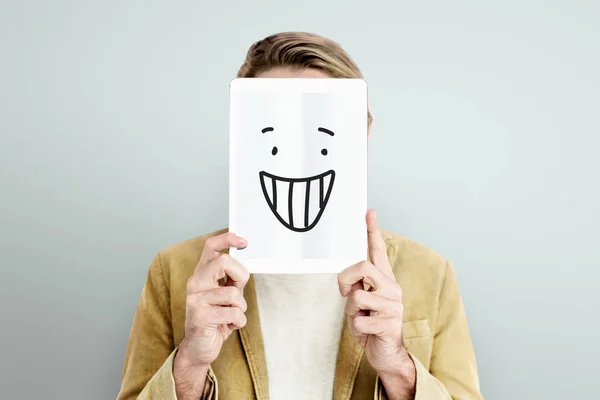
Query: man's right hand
x=213, y=311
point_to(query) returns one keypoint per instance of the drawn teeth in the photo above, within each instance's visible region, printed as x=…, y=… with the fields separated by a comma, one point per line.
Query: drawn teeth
x=268, y=189
x=314, y=200
x=297, y=203
x=281, y=194
x=325, y=182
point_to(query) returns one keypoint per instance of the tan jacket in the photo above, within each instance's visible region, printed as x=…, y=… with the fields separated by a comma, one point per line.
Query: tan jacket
x=435, y=333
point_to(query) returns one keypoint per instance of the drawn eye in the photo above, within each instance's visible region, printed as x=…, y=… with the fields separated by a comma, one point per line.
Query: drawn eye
x=324, y=152
x=274, y=151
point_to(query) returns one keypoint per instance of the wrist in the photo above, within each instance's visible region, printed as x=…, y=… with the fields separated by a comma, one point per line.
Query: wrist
x=189, y=378
x=185, y=360
x=400, y=382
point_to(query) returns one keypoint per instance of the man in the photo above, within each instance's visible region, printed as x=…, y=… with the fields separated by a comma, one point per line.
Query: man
x=391, y=327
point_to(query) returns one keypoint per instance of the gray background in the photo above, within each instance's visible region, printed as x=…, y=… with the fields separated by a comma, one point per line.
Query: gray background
x=113, y=119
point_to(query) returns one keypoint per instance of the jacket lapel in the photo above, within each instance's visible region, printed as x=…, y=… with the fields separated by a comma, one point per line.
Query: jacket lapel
x=348, y=360
x=252, y=341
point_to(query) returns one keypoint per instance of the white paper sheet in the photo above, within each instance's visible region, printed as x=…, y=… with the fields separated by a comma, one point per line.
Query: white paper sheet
x=298, y=173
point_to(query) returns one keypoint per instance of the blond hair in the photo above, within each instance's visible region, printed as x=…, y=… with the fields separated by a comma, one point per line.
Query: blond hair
x=299, y=50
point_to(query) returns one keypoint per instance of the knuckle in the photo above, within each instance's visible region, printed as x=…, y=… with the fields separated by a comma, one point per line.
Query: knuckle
x=200, y=264
x=223, y=259
x=193, y=302
x=191, y=284
x=210, y=243
x=364, y=268
x=358, y=297
x=246, y=276
x=244, y=320
x=190, y=302
x=238, y=313
x=244, y=304
x=358, y=323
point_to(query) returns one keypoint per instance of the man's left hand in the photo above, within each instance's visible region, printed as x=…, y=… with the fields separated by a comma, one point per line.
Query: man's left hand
x=375, y=315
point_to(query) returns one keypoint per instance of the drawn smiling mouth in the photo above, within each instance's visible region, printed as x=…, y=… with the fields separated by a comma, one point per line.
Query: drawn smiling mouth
x=298, y=203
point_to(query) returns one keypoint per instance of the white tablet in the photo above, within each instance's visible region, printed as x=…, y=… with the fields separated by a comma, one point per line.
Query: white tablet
x=298, y=173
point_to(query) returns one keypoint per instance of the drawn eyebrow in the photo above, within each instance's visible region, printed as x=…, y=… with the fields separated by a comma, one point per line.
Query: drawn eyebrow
x=267, y=129
x=325, y=130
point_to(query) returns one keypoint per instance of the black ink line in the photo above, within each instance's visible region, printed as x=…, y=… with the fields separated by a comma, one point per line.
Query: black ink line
x=306, y=201
x=321, y=192
x=327, y=131
x=326, y=200
x=296, y=180
x=263, y=175
x=290, y=204
x=274, y=193
x=267, y=129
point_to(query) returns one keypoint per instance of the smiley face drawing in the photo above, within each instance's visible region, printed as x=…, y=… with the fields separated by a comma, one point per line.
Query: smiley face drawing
x=297, y=202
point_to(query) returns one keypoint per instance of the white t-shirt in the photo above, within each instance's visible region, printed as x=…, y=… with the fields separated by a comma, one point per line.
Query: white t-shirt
x=301, y=319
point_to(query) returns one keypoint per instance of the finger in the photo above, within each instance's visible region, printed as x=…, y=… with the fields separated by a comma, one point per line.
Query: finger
x=378, y=325
x=353, y=277
x=372, y=276
x=361, y=337
x=214, y=245
x=209, y=275
x=362, y=301
x=377, y=249
x=224, y=296
x=217, y=316
x=357, y=286
x=238, y=322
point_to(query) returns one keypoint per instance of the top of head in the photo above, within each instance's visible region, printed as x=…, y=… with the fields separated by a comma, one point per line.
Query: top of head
x=299, y=55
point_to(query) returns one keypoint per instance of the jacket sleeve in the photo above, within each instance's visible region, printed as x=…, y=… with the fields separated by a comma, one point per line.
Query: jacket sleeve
x=148, y=369
x=453, y=371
